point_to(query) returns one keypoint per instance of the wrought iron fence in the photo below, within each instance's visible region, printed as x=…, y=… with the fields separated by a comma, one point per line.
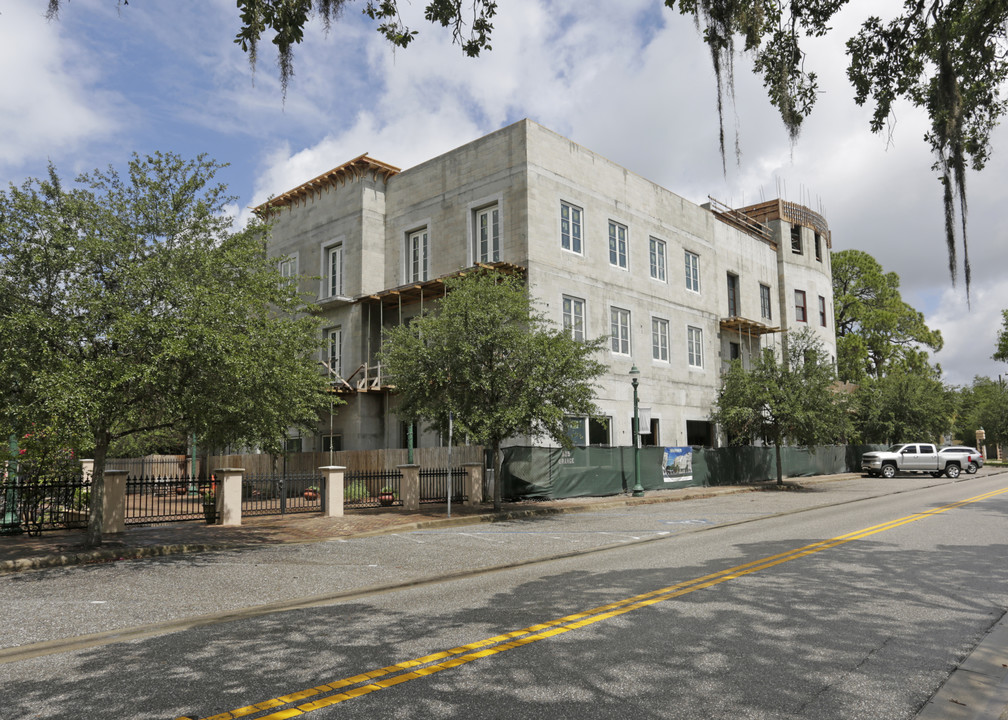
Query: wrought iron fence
x=434, y=485
x=378, y=488
x=270, y=494
x=151, y=500
x=52, y=501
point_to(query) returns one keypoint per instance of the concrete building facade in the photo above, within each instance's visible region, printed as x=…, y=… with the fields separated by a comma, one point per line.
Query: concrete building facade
x=678, y=288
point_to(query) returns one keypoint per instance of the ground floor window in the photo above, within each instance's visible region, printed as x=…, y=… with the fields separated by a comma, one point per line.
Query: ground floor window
x=699, y=432
x=332, y=442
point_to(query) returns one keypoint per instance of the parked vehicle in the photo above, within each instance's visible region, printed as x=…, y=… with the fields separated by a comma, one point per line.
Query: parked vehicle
x=914, y=457
x=976, y=458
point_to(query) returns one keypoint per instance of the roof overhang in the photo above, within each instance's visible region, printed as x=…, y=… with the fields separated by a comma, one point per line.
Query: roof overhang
x=361, y=166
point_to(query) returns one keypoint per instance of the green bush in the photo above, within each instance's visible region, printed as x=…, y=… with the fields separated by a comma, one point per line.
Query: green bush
x=356, y=490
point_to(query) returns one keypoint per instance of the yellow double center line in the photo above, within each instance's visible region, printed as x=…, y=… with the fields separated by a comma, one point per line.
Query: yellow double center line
x=348, y=688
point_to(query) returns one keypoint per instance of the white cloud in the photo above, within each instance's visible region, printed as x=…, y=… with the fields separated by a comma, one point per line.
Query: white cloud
x=970, y=334
x=49, y=96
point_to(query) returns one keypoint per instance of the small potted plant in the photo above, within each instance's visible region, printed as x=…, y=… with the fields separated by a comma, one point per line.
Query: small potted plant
x=386, y=496
x=311, y=493
x=209, y=507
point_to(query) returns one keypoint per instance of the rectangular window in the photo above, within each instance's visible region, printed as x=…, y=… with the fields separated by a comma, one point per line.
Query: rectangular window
x=694, y=346
x=575, y=428
x=796, y=247
x=332, y=442
x=293, y=445
x=333, y=350
x=288, y=267
x=486, y=224
x=658, y=259
x=620, y=330
x=734, y=351
x=574, y=317
x=334, y=270
x=617, y=245
x=733, y=295
x=417, y=256
x=799, y=302
x=822, y=311
x=659, y=339
x=692, y=271
x=598, y=431
x=570, y=227
x=764, y=301
x=818, y=247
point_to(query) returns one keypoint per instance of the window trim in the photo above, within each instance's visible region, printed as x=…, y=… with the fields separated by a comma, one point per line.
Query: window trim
x=575, y=301
x=424, y=274
x=473, y=211
x=571, y=207
x=660, y=350
x=693, y=278
x=614, y=313
x=326, y=249
x=654, y=244
x=694, y=347
x=766, y=303
x=327, y=349
x=803, y=306
x=614, y=238
x=291, y=261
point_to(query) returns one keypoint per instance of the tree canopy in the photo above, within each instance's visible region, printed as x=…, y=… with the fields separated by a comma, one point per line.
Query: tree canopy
x=945, y=57
x=781, y=399
x=130, y=305
x=491, y=359
x=1001, y=352
x=875, y=329
x=984, y=404
x=903, y=405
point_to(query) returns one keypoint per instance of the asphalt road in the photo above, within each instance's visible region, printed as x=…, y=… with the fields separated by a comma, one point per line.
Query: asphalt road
x=852, y=600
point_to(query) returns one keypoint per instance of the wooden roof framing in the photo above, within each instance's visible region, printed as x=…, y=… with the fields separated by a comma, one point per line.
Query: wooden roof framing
x=745, y=326
x=789, y=212
x=433, y=289
x=361, y=166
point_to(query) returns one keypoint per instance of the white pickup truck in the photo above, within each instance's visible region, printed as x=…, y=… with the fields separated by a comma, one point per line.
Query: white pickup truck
x=914, y=457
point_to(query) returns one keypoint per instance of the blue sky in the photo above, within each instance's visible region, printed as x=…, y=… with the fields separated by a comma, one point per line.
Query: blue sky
x=630, y=80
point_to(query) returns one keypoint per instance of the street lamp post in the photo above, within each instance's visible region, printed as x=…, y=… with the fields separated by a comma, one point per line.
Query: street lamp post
x=638, y=491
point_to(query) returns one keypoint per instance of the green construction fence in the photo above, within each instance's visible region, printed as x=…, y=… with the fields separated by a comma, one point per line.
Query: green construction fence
x=554, y=473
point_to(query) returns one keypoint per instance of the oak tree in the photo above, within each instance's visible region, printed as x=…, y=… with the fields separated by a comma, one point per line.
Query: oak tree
x=486, y=355
x=875, y=329
x=786, y=398
x=130, y=305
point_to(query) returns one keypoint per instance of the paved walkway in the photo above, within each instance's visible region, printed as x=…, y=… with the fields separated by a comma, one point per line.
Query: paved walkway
x=66, y=547
x=976, y=690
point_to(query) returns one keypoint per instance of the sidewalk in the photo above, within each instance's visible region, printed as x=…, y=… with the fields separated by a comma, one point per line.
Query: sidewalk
x=66, y=547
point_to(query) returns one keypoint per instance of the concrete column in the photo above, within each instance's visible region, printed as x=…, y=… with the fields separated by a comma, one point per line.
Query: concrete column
x=229, y=495
x=332, y=490
x=409, y=487
x=114, y=505
x=474, y=483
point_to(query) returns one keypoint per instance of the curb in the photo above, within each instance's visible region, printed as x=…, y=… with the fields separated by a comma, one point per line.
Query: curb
x=100, y=555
